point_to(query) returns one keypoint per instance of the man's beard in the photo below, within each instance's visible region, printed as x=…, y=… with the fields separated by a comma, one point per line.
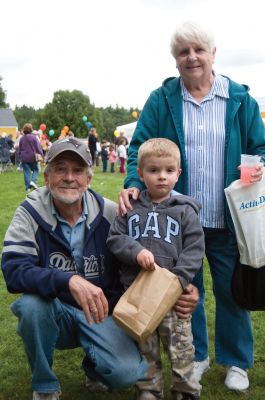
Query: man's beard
x=63, y=198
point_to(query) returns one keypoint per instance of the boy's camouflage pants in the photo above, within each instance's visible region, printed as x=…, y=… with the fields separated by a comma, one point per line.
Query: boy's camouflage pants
x=176, y=337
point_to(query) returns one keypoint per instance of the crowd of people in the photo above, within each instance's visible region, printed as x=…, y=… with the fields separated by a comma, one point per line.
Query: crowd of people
x=111, y=154
x=80, y=255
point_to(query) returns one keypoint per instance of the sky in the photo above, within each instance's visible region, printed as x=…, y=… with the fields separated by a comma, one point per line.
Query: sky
x=117, y=51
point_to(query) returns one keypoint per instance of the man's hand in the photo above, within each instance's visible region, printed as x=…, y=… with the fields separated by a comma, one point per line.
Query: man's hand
x=90, y=297
x=187, y=302
x=146, y=260
x=124, y=200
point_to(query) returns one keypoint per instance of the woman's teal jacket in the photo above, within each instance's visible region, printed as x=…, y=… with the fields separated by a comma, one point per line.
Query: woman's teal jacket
x=162, y=117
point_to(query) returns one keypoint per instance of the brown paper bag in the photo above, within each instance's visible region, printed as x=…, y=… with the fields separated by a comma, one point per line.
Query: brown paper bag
x=145, y=303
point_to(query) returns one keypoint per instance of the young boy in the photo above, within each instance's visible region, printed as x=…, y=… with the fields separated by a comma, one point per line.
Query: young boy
x=163, y=227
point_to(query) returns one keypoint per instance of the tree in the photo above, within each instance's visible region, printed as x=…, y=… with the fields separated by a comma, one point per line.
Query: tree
x=25, y=114
x=3, y=104
x=68, y=108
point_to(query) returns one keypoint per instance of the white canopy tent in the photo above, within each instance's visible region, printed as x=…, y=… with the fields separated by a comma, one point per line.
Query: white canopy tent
x=128, y=130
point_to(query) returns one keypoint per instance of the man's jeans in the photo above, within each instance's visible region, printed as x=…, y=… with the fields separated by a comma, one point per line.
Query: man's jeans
x=46, y=325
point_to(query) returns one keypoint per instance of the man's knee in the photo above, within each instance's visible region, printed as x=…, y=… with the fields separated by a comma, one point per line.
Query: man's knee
x=125, y=375
x=30, y=308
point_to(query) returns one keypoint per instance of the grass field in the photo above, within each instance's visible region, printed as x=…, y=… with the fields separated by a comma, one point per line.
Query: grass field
x=14, y=370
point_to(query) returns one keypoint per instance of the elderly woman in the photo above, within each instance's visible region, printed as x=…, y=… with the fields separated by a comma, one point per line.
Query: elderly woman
x=213, y=120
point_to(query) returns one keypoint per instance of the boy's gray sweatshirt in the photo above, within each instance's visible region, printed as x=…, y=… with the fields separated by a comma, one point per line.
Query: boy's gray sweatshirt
x=170, y=230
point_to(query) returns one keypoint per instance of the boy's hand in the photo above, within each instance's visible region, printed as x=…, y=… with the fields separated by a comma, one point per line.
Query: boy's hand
x=146, y=260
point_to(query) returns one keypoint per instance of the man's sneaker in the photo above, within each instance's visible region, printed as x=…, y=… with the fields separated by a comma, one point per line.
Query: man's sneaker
x=237, y=379
x=46, y=396
x=200, y=367
x=95, y=386
x=33, y=185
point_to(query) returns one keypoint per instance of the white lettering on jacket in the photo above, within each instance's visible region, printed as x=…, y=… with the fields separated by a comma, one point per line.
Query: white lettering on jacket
x=60, y=261
x=91, y=264
x=151, y=227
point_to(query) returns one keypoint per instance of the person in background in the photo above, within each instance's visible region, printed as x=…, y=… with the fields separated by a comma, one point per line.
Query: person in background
x=16, y=147
x=112, y=158
x=104, y=155
x=55, y=254
x=173, y=238
x=92, y=140
x=213, y=120
x=120, y=138
x=29, y=147
x=6, y=144
x=122, y=154
x=45, y=143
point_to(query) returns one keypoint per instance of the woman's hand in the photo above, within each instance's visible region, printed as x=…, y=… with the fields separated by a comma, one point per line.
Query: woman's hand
x=257, y=176
x=124, y=200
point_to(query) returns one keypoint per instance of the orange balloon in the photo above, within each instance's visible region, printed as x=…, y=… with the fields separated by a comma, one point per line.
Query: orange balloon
x=135, y=114
x=62, y=135
x=66, y=129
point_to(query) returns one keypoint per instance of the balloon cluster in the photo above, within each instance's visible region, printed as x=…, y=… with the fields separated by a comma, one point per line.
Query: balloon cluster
x=86, y=122
x=43, y=129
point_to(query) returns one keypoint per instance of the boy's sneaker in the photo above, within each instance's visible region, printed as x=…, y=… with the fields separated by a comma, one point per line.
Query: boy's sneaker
x=46, y=396
x=200, y=367
x=33, y=185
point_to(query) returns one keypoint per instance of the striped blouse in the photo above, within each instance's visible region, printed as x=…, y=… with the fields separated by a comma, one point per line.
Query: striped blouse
x=204, y=129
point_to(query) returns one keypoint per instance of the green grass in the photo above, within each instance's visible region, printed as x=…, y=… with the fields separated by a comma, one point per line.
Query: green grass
x=14, y=371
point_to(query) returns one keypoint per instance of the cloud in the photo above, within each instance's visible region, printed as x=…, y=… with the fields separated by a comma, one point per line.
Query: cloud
x=117, y=51
x=241, y=57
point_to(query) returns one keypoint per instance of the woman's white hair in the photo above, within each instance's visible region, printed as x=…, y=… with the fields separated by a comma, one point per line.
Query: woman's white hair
x=190, y=31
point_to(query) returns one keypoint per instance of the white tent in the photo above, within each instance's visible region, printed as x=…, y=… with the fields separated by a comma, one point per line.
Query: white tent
x=128, y=130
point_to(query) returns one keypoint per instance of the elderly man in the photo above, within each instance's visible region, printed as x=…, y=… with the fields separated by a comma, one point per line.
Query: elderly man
x=55, y=254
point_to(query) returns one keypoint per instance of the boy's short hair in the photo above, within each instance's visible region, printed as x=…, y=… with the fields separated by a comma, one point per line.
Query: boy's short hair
x=158, y=147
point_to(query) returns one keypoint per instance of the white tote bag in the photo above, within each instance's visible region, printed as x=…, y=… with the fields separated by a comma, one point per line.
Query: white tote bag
x=247, y=207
